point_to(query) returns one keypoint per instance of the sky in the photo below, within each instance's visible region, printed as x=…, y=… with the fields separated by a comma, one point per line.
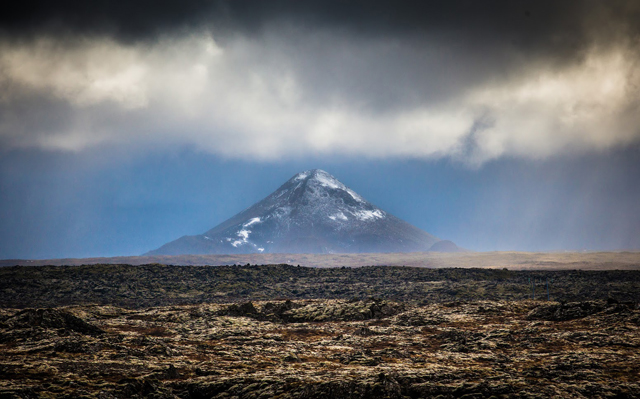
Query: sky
x=500, y=125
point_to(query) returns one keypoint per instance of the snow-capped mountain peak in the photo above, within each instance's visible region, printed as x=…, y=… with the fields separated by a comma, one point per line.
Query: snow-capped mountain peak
x=312, y=212
x=320, y=179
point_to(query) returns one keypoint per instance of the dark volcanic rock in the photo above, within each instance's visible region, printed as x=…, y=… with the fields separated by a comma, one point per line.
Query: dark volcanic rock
x=269, y=311
x=51, y=318
x=244, y=309
x=315, y=311
x=158, y=285
x=566, y=311
x=418, y=317
x=344, y=311
x=313, y=212
x=578, y=310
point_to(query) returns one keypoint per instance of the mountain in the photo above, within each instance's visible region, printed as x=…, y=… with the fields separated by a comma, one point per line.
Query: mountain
x=313, y=212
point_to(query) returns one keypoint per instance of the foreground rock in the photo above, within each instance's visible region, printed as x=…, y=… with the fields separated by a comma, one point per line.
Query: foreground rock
x=324, y=348
x=329, y=310
x=50, y=318
x=577, y=310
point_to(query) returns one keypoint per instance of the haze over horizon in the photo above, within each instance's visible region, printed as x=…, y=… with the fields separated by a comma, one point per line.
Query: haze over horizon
x=500, y=125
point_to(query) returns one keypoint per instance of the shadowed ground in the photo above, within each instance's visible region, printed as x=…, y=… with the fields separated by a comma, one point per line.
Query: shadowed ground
x=159, y=285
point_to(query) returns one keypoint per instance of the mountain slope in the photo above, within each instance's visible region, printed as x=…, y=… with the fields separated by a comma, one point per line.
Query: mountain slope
x=312, y=212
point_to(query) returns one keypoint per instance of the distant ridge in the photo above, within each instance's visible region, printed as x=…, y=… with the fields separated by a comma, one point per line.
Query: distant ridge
x=464, y=259
x=313, y=212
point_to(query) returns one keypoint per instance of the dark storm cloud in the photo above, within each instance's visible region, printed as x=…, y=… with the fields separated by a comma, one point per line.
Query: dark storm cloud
x=266, y=79
x=125, y=20
x=532, y=25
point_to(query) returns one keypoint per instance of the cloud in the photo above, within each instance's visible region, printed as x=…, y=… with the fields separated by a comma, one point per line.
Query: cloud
x=261, y=84
x=593, y=105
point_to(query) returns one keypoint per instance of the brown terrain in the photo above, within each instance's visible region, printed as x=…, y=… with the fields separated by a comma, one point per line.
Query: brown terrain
x=324, y=349
x=628, y=260
x=281, y=331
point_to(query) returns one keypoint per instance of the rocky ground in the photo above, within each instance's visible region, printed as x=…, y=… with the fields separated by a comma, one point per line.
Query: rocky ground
x=324, y=348
x=121, y=331
x=161, y=285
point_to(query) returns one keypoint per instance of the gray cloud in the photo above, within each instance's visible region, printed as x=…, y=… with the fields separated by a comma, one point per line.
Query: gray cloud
x=468, y=80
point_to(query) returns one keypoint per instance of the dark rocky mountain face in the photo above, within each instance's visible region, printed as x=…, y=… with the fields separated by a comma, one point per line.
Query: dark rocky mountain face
x=313, y=212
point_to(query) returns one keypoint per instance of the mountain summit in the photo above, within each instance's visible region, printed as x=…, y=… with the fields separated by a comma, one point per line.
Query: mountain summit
x=312, y=212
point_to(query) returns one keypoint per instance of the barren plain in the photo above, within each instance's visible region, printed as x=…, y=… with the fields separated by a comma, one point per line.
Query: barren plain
x=156, y=331
x=622, y=260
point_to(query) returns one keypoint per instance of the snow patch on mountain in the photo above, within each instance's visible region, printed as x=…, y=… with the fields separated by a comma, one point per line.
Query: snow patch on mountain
x=325, y=179
x=251, y=221
x=369, y=215
x=244, y=237
x=302, y=175
x=354, y=195
x=339, y=216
